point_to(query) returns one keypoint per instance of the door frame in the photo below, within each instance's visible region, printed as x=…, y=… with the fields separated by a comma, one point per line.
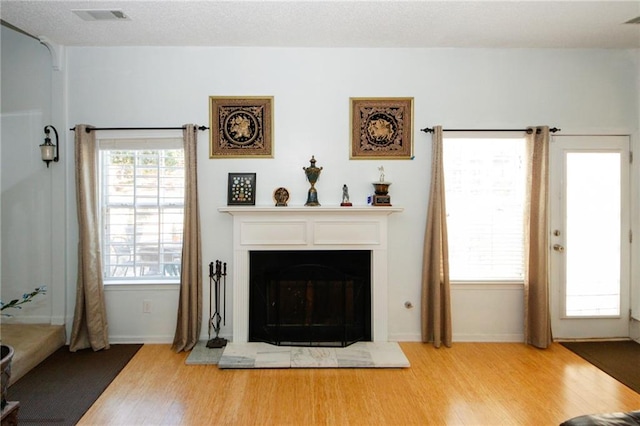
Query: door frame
x=587, y=327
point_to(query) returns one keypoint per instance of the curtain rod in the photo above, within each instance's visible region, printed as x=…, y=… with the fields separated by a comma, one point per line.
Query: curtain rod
x=89, y=129
x=430, y=130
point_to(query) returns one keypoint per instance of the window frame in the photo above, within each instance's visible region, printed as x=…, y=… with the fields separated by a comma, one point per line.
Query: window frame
x=110, y=140
x=496, y=283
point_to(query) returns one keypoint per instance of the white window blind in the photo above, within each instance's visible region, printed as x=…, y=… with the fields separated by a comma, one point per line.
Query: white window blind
x=141, y=205
x=485, y=191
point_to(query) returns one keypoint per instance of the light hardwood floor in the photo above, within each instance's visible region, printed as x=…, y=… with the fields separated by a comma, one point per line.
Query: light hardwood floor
x=468, y=384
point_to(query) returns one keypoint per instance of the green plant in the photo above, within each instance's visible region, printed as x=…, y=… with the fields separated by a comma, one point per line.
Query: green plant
x=27, y=297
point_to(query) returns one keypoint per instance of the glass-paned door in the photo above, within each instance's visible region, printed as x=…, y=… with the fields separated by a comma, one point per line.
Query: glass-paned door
x=590, y=236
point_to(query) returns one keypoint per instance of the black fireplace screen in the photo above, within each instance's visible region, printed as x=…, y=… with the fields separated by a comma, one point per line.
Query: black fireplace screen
x=310, y=298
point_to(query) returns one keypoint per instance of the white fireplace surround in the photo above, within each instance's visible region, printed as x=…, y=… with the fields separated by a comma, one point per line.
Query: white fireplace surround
x=310, y=228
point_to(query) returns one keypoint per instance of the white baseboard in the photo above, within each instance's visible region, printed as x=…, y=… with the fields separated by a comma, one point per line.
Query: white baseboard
x=153, y=339
x=634, y=330
x=60, y=320
x=489, y=338
x=160, y=339
x=396, y=337
x=22, y=319
x=461, y=337
x=405, y=337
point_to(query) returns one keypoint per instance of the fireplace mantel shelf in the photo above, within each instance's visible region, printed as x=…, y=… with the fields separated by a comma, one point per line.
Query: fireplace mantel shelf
x=303, y=209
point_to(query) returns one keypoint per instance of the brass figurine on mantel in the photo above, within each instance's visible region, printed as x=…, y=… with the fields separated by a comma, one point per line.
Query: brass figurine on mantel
x=313, y=174
x=381, y=188
x=281, y=196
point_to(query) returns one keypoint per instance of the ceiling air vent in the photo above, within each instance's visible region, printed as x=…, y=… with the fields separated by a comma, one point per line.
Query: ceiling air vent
x=633, y=21
x=101, y=15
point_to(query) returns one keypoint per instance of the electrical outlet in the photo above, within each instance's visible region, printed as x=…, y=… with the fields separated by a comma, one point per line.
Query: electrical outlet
x=146, y=306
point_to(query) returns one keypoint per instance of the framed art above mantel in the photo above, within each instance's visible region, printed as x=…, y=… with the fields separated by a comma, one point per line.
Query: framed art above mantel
x=241, y=126
x=381, y=128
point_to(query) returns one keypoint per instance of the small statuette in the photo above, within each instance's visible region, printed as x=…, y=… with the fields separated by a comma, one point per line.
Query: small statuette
x=381, y=170
x=345, y=197
x=281, y=197
x=313, y=174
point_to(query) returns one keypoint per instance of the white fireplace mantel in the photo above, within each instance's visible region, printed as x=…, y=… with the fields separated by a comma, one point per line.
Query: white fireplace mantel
x=310, y=228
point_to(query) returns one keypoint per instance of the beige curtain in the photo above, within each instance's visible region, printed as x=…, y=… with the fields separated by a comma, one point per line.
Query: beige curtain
x=537, y=328
x=436, y=299
x=89, y=329
x=190, y=302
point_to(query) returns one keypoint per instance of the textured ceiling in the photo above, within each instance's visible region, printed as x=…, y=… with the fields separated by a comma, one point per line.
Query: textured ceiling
x=324, y=23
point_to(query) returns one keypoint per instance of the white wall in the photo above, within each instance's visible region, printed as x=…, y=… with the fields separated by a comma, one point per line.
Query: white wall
x=576, y=90
x=25, y=180
x=585, y=90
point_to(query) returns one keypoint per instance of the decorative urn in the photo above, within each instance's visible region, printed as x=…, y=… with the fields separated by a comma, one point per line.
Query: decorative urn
x=313, y=174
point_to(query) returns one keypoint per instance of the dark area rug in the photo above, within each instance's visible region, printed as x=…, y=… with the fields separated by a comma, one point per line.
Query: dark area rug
x=60, y=389
x=620, y=359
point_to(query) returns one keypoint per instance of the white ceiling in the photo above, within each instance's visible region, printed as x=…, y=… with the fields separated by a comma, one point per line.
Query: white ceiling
x=327, y=23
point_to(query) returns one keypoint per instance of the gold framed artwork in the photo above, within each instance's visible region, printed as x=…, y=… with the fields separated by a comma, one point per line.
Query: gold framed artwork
x=381, y=128
x=240, y=126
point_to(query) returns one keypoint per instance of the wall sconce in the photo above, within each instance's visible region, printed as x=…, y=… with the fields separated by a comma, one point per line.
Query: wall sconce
x=48, y=150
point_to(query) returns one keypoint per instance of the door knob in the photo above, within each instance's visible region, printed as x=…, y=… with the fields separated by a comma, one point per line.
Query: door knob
x=558, y=248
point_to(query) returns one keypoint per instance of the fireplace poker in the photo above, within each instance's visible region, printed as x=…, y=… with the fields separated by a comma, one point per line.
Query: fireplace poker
x=214, y=289
x=223, y=276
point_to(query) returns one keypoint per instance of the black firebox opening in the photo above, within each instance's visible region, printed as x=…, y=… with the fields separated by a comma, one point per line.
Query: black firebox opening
x=310, y=298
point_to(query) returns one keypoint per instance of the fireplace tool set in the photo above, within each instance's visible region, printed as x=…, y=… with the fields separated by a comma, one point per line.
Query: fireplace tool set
x=215, y=279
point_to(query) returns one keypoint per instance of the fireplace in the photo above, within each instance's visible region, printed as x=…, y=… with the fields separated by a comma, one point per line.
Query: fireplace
x=313, y=229
x=310, y=298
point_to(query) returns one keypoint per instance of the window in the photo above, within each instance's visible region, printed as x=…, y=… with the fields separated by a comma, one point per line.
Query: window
x=141, y=208
x=485, y=192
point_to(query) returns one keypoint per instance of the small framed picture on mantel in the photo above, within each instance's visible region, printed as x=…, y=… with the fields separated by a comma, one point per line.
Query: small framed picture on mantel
x=241, y=189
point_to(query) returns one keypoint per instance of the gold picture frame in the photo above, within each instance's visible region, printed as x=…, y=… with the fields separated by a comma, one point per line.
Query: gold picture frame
x=241, y=126
x=381, y=128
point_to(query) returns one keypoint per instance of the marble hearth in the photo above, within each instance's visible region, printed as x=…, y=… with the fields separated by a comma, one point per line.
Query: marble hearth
x=310, y=228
